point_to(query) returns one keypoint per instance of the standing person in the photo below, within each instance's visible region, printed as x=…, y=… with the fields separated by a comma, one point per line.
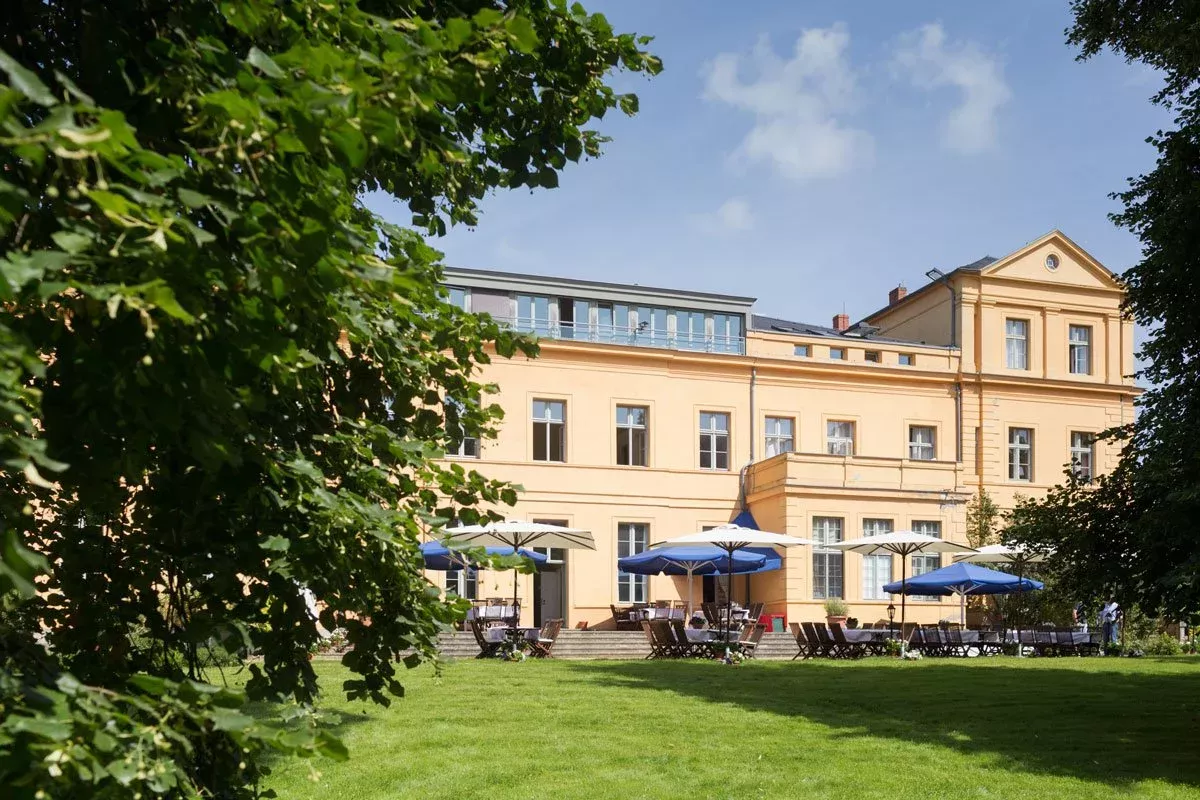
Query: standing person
x=1079, y=617
x=1108, y=619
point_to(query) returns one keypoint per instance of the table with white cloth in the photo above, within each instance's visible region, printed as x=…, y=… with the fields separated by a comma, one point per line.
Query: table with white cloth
x=639, y=614
x=492, y=613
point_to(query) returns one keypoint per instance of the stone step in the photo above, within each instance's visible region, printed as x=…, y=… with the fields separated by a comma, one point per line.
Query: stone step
x=579, y=644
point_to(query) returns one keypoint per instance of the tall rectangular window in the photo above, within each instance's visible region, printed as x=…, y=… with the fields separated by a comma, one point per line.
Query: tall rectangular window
x=1082, y=454
x=549, y=430
x=921, y=442
x=926, y=562
x=780, y=436
x=714, y=440
x=1080, y=349
x=839, y=438
x=876, y=569
x=827, y=563
x=727, y=333
x=1016, y=343
x=468, y=446
x=632, y=538
x=690, y=333
x=461, y=582
x=633, y=424
x=1020, y=454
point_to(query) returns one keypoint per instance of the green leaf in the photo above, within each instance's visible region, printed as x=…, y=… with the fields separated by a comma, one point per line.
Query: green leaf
x=19, y=565
x=264, y=62
x=523, y=35
x=54, y=729
x=351, y=143
x=331, y=746
x=25, y=81
x=150, y=684
x=71, y=241
x=226, y=719
x=162, y=297
x=194, y=199
x=279, y=544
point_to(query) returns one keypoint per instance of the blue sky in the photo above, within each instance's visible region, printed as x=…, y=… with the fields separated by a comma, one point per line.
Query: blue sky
x=815, y=155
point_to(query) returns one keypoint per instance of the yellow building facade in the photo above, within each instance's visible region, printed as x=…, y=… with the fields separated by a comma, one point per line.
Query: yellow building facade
x=653, y=413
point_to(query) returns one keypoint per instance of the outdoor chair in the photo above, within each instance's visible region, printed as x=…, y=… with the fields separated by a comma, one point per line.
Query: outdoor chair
x=685, y=646
x=1064, y=643
x=544, y=643
x=656, y=648
x=756, y=610
x=750, y=636
x=822, y=645
x=487, y=647
x=660, y=631
x=710, y=614
x=847, y=648
x=622, y=620
x=1043, y=643
x=955, y=642
x=806, y=649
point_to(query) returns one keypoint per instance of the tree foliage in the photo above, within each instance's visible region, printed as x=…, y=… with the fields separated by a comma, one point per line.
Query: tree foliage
x=983, y=520
x=1132, y=534
x=221, y=378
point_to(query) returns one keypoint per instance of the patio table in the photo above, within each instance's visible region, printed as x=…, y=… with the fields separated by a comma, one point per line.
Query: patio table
x=865, y=635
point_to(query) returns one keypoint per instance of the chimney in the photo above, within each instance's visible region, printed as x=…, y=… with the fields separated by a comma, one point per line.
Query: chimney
x=841, y=322
x=897, y=294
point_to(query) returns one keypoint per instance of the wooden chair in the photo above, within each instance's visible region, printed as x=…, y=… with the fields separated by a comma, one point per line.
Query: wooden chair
x=656, y=650
x=806, y=649
x=847, y=648
x=817, y=644
x=660, y=632
x=622, y=620
x=685, y=646
x=749, y=638
x=711, y=615
x=487, y=647
x=544, y=643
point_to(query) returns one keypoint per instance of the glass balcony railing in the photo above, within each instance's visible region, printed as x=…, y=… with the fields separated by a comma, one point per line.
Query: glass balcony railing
x=632, y=335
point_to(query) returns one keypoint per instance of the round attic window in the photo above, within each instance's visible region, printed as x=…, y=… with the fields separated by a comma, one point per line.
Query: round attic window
x=1052, y=262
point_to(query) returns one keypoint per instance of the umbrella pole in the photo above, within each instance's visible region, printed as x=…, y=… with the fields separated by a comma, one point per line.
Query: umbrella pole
x=962, y=609
x=1020, y=586
x=729, y=596
x=691, y=569
x=903, y=604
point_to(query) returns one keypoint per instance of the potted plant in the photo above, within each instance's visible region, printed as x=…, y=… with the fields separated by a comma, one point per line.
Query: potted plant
x=836, y=611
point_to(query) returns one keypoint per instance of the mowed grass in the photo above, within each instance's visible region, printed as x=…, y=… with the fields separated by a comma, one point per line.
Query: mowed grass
x=878, y=728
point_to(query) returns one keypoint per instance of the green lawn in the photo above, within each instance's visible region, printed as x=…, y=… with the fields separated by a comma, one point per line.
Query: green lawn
x=878, y=728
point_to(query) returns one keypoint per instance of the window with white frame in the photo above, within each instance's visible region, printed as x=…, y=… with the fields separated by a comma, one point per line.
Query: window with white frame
x=633, y=424
x=459, y=297
x=877, y=568
x=1080, y=349
x=714, y=440
x=632, y=538
x=1016, y=343
x=533, y=314
x=549, y=430
x=839, y=438
x=827, y=563
x=467, y=446
x=926, y=562
x=921, y=442
x=1020, y=454
x=1082, y=454
x=462, y=582
x=781, y=436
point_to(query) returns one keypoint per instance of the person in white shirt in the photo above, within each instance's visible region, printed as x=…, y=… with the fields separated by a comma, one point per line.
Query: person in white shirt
x=1109, y=615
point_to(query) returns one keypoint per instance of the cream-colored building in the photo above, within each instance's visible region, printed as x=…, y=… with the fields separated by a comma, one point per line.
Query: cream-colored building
x=651, y=413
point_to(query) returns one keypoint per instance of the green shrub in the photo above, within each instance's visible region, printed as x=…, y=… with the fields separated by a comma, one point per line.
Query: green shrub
x=1161, y=645
x=836, y=607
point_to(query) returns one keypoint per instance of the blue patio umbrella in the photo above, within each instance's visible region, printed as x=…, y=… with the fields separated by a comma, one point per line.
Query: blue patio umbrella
x=698, y=560
x=962, y=579
x=438, y=556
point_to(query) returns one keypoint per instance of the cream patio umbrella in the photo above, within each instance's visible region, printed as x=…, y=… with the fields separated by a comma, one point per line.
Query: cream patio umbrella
x=516, y=533
x=903, y=544
x=730, y=538
x=1015, y=556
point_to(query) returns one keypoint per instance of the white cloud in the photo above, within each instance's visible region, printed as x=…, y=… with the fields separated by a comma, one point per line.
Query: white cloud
x=733, y=216
x=796, y=104
x=931, y=62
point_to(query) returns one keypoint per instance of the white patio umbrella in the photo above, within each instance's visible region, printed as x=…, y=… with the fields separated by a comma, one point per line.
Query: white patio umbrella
x=731, y=537
x=1016, y=557
x=903, y=544
x=516, y=533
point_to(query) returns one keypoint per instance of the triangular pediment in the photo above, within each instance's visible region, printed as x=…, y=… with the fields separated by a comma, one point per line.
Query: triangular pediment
x=1054, y=259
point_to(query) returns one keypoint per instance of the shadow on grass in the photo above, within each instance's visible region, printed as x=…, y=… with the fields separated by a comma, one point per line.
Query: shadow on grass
x=1102, y=725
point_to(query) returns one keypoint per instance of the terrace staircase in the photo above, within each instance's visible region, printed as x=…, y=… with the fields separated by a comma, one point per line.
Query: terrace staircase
x=596, y=645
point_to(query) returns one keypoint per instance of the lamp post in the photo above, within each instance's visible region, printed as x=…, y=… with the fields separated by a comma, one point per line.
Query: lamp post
x=891, y=612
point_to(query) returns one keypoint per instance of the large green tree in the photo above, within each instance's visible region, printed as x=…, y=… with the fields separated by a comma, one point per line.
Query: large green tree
x=1133, y=533
x=221, y=378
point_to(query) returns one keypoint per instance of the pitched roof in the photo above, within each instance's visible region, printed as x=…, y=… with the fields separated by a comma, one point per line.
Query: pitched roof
x=854, y=333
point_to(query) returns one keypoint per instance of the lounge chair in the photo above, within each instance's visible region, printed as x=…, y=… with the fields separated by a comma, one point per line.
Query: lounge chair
x=711, y=615
x=544, y=643
x=487, y=647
